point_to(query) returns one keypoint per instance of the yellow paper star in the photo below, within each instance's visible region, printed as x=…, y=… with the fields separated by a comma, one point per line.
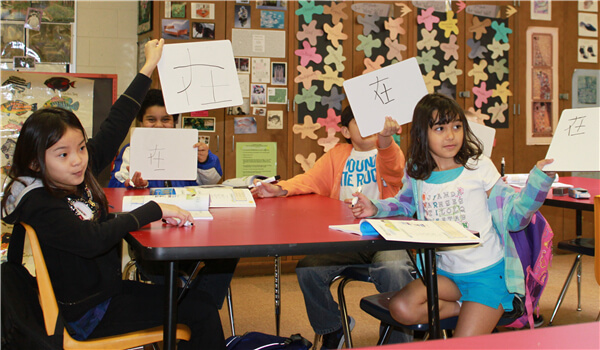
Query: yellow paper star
x=394, y=25
x=430, y=82
x=497, y=48
x=307, y=129
x=330, y=78
x=335, y=34
x=306, y=76
x=502, y=91
x=478, y=72
x=308, y=162
x=428, y=40
x=451, y=73
x=497, y=112
x=449, y=25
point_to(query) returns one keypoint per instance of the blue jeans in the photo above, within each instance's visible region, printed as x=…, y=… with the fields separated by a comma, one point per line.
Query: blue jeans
x=389, y=270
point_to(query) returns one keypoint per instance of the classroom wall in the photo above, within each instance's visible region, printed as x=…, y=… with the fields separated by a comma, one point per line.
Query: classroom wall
x=106, y=39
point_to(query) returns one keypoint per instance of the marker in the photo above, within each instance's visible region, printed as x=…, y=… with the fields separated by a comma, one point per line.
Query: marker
x=355, y=199
x=269, y=180
x=502, y=164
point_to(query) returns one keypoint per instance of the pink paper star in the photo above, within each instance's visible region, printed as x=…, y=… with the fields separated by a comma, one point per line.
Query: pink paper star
x=308, y=54
x=450, y=48
x=482, y=94
x=428, y=18
x=328, y=142
x=332, y=120
x=310, y=32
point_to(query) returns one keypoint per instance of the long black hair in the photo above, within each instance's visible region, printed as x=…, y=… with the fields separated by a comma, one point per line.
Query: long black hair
x=43, y=129
x=420, y=162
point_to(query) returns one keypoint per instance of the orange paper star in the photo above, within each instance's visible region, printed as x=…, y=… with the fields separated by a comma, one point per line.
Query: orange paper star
x=307, y=129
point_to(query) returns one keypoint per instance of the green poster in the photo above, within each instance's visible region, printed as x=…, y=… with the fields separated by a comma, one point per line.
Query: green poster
x=255, y=158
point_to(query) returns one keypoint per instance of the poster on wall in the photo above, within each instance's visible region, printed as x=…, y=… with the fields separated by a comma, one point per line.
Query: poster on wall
x=144, y=16
x=585, y=88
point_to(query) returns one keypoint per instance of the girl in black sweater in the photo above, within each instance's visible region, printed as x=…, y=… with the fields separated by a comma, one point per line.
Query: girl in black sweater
x=52, y=187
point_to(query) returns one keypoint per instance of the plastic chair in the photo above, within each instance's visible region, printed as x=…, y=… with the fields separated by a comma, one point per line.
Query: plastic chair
x=378, y=306
x=51, y=313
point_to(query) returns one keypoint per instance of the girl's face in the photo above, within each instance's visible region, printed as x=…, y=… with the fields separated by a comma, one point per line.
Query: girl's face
x=67, y=160
x=157, y=117
x=445, y=140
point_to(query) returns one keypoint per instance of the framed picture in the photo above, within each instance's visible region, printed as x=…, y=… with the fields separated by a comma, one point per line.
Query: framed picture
x=278, y=73
x=144, y=16
x=202, y=10
x=23, y=62
x=176, y=29
x=202, y=30
x=541, y=10
x=243, y=65
x=178, y=10
x=205, y=124
x=587, y=5
x=586, y=88
x=587, y=50
x=277, y=96
x=34, y=19
x=242, y=16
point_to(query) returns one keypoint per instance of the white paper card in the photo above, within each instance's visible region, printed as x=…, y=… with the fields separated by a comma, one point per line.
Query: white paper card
x=199, y=76
x=575, y=145
x=485, y=134
x=164, y=154
x=390, y=91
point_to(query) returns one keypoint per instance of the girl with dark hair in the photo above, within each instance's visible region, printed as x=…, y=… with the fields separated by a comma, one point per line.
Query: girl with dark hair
x=52, y=187
x=447, y=178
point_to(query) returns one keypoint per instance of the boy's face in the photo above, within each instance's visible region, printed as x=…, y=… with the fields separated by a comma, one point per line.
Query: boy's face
x=359, y=143
x=67, y=160
x=157, y=117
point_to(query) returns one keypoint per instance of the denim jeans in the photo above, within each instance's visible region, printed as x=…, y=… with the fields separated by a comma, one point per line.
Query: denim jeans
x=389, y=271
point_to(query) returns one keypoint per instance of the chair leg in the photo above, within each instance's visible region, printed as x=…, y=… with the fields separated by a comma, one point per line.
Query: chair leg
x=230, y=308
x=344, y=312
x=565, y=287
x=385, y=335
x=579, y=287
x=316, y=341
x=277, y=293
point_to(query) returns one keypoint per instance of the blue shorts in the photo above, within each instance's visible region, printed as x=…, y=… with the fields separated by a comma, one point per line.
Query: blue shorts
x=486, y=286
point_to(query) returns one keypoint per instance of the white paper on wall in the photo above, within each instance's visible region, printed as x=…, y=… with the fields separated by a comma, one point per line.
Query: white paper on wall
x=199, y=76
x=390, y=91
x=575, y=145
x=485, y=134
x=164, y=154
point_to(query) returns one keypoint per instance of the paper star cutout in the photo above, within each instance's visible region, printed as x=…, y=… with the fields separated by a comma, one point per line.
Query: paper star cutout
x=328, y=142
x=427, y=59
x=478, y=72
x=428, y=18
x=394, y=25
x=497, y=112
x=334, y=100
x=336, y=11
x=510, y=11
x=335, y=57
x=308, y=54
x=447, y=89
x=451, y=73
x=477, y=50
x=499, y=68
x=368, y=22
x=394, y=49
x=331, y=122
x=449, y=25
x=479, y=27
x=482, y=94
x=308, y=9
x=335, y=34
x=502, y=91
x=428, y=40
x=476, y=116
x=450, y=48
x=404, y=9
x=307, y=129
x=498, y=49
x=367, y=44
x=306, y=76
x=430, y=82
x=310, y=32
x=501, y=31
x=306, y=163
x=461, y=6
x=373, y=65
x=309, y=97
x=330, y=78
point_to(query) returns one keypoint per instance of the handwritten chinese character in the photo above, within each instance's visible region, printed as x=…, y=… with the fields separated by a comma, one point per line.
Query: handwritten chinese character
x=576, y=127
x=155, y=157
x=381, y=92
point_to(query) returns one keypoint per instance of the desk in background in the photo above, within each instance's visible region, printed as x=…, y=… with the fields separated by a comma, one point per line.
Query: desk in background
x=593, y=187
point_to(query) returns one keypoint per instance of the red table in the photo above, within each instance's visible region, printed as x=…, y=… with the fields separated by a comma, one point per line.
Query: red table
x=593, y=187
x=297, y=225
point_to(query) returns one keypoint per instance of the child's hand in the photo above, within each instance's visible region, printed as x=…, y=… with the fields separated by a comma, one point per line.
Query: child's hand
x=153, y=51
x=363, y=208
x=265, y=190
x=136, y=181
x=390, y=128
x=540, y=164
x=202, y=151
x=174, y=215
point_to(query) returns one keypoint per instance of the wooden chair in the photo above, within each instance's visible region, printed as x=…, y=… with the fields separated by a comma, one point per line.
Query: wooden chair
x=51, y=313
x=597, y=238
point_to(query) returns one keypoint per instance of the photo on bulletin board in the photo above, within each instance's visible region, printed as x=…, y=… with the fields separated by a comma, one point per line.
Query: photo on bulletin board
x=275, y=120
x=272, y=19
x=23, y=62
x=34, y=19
x=278, y=73
x=277, y=96
x=244, y=84
x=144, y=16
x=244, y=125
x=242, y=16
x=259, y=111
x=588, y=24
x=206, y=124
x=176, y=29
x=12, y=40
x=587, y=50
x=52, y=43
x=204, y=139
x=541, y=10
x=261, y=70
x=202, y=30
x=271, y=4
x=586, y=88
x=243, y=64
x=244, y=109
x=588, y=5
x=202, y=10
x=178, y=10
x=258, y=95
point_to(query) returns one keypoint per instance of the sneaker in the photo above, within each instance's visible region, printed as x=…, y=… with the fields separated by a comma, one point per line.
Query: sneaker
x=335, y=340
